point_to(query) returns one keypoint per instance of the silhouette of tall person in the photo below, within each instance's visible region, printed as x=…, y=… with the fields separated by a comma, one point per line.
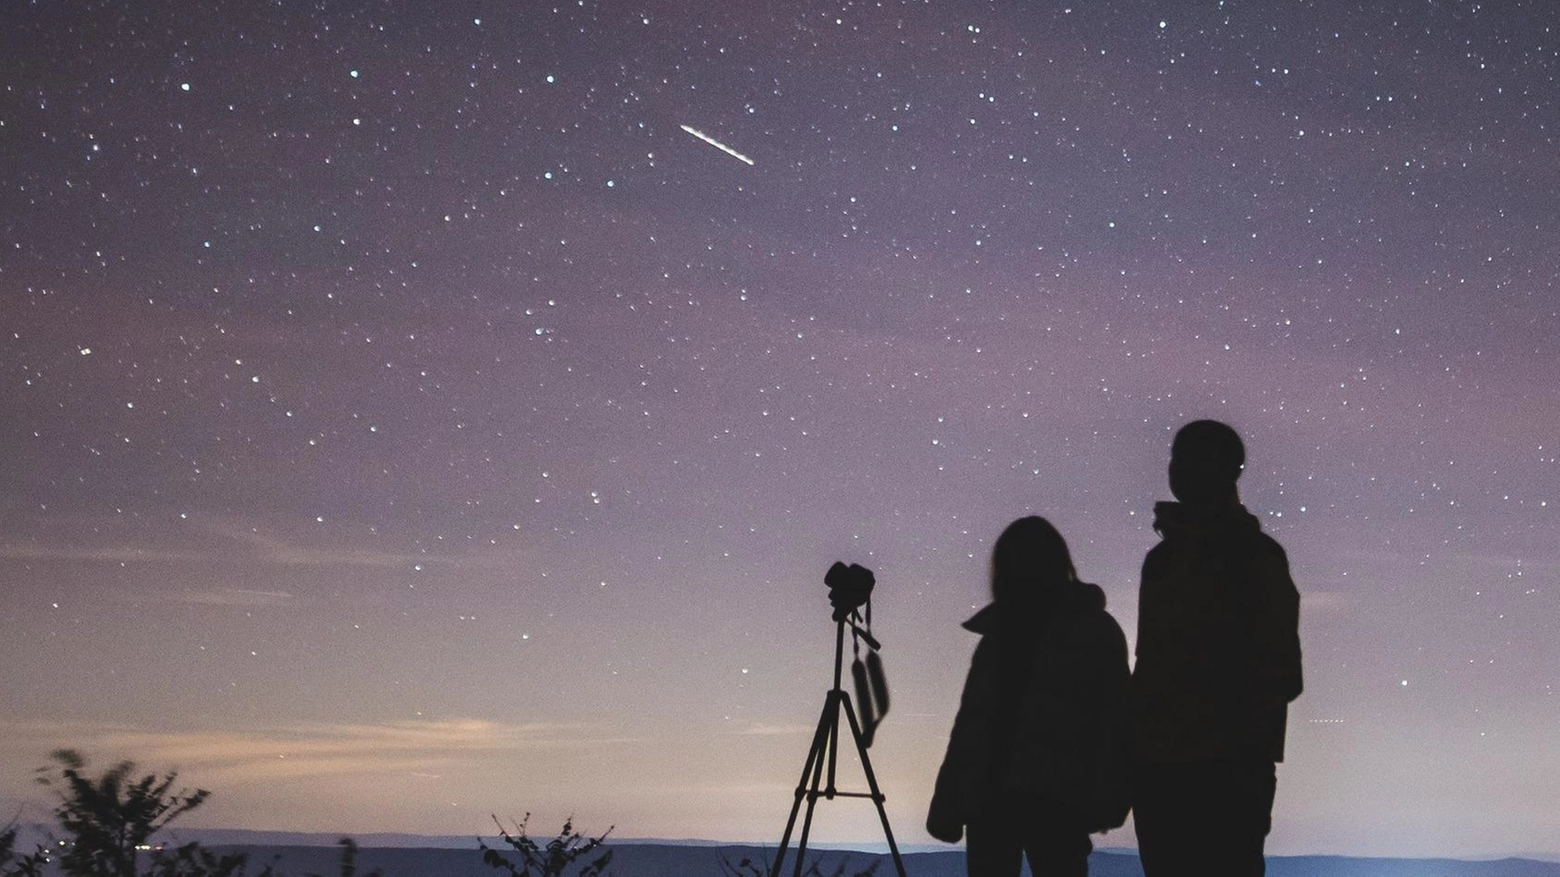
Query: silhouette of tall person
x=1041, y=744
x=1218, y=661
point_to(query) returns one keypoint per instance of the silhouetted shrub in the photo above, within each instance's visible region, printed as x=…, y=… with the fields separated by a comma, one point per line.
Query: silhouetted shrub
x=11, y=865
x=110, y=818
x=554, y=859
x=109, y=821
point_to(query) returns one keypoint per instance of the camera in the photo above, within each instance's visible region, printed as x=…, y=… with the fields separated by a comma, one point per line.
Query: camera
x=849, y=588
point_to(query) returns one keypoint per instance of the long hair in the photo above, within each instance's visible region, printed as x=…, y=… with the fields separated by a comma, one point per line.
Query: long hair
x=1029, y=560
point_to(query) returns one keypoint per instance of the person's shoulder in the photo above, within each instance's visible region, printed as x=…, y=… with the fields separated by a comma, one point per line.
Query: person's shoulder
x=1267, y=546
x=1270, y=568
x=1092, y=612
x=1104, y=628
x=1086, y=596
x=1157, y=558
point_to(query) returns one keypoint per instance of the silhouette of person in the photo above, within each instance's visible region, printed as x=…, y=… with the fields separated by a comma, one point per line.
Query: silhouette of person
x=1218, y=661
x=1041, y=744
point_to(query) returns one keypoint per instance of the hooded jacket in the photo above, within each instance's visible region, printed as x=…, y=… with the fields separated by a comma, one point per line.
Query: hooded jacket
x=1044, y=715
x=1218, y=645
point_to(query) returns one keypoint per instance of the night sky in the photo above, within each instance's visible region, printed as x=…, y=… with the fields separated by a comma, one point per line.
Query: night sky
x=407, y=419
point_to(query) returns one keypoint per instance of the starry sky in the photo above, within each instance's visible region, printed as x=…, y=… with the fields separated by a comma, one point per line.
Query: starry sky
x=408, y=419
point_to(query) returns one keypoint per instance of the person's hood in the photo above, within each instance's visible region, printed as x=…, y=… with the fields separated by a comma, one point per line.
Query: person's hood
x=1180, y=521
x=1071, y=596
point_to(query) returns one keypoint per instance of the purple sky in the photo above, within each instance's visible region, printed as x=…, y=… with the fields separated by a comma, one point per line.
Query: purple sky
x=407, y=420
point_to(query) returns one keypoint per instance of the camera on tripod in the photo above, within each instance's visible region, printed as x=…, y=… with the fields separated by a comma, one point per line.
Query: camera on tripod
x=850, y=587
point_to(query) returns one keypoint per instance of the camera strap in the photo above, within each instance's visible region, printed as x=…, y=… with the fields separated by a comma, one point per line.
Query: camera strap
x=871, y=683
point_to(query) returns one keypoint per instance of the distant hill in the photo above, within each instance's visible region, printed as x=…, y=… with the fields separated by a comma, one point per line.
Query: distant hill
x=412, y=855
x=640, y=859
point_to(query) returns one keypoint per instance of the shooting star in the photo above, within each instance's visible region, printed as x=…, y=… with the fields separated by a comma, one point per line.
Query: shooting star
x=717, y=144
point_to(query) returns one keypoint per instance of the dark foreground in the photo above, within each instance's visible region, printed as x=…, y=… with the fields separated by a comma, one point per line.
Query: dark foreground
x=669, y=860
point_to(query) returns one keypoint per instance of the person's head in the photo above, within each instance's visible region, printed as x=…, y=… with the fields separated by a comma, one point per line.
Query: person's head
x=1030, y=557
x=1206, y=459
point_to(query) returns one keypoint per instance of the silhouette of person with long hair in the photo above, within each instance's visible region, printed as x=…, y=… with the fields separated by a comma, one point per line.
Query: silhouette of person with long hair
x=1218, y=661
x=1041, y=745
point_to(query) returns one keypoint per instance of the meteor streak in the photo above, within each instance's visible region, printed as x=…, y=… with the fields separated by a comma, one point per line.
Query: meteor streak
x=717, y=144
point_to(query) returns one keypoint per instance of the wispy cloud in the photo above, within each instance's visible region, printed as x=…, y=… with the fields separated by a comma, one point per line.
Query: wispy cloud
x=761, y=729
x=231, y=597
x=303, y=750
x=267, y=548
x=223, y=541
x=1326, y=601
x=96, y=553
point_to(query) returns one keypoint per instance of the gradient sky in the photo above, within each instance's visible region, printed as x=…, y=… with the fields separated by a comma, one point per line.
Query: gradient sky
x=407, y=420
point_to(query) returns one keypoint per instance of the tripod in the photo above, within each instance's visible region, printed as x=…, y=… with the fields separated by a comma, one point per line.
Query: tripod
x=825, y=746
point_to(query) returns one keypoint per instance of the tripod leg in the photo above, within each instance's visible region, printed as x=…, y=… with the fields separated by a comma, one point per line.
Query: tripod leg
x=814, y=760
x=828, y=732
x=877, y=794
x=834, y=747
